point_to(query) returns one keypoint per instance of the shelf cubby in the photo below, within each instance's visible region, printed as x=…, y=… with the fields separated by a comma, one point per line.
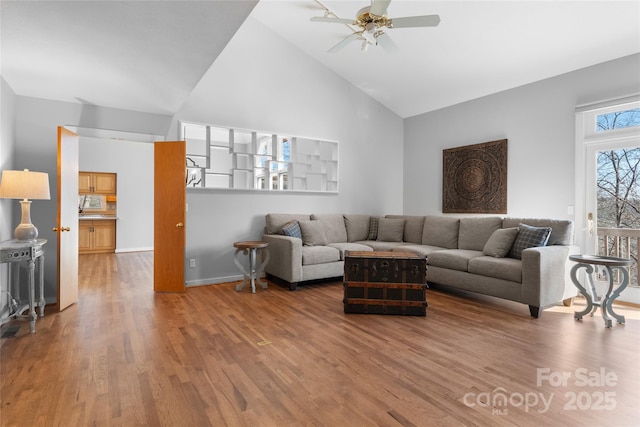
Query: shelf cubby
x=240, y=159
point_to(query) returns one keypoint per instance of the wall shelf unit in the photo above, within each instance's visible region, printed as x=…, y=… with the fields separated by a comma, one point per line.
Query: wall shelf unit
x=228, y=158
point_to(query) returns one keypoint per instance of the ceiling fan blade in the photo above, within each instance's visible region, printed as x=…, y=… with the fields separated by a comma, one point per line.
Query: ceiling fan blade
x=343, y=43
x=387, y=43
x=416, y=21
x=332, y=20
x=379, y=7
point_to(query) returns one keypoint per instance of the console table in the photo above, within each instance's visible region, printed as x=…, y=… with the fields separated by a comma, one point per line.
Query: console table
x=605, y=302
x=253, y=274
x=13, y=251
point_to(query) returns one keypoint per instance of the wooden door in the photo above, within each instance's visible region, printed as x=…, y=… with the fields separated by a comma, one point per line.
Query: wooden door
x=169, y=216
x=67, y=218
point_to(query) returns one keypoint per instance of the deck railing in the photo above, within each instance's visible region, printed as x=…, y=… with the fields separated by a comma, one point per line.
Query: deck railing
x=623, y=243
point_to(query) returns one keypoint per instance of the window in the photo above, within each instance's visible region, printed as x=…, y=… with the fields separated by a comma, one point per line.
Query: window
x=618, y=120
x=607, y=187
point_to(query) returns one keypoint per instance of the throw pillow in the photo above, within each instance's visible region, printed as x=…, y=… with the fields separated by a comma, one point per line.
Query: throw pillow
x=312, y=233
x=390, y=230
x=529, y=237
x=374, y=221
x=500, y=242
x=292, y=229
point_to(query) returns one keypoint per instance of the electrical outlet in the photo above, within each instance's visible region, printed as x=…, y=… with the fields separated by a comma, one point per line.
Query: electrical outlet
x=192, y=263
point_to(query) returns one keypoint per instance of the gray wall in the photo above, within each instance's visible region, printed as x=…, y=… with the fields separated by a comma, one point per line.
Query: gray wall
x=7, y=154
x=36, y=123
x=538, y=120
x=282, y=90
x=133, y=164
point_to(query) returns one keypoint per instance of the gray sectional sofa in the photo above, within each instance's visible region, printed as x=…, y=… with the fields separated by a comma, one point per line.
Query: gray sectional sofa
x=479, y=254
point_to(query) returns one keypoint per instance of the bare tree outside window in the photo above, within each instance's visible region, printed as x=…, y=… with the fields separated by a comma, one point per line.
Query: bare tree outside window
x=618, y=187
x=618, y=120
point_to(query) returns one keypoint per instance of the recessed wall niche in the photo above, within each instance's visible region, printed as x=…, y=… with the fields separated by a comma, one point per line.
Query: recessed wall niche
x=238, y=159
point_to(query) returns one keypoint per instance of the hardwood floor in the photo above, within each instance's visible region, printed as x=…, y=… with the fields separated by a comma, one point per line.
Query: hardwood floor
x=124, y=356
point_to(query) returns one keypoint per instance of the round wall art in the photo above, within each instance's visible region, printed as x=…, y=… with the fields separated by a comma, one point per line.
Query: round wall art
x=475, y=178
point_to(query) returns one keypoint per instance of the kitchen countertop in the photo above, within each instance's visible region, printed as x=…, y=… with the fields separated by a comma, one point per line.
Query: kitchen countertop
x=96, y=217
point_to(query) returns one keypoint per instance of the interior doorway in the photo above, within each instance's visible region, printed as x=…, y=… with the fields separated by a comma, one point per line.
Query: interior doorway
x=132, y=164
x=130, y=156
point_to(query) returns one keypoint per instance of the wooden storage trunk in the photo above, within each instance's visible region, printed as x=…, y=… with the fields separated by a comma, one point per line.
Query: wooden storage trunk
x=385, y=283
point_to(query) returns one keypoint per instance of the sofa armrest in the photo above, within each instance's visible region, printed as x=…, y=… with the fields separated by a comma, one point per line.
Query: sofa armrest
x=544, y=275
x=286, y=257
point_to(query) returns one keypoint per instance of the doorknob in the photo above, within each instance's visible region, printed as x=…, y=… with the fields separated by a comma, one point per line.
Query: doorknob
x=179, y=225
x=54, y=229
x=65, y=229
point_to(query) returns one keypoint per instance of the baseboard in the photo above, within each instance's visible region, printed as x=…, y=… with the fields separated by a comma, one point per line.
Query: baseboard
x=214, y=280
x=143, y=249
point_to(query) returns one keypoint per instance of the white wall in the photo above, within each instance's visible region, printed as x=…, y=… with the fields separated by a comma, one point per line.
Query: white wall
x=282, y=90
x=538, y=120
x=36, y=148
x=133, y=164
x=7, y=154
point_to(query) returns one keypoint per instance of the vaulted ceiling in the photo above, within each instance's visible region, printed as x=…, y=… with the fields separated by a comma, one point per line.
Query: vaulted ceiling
x=149, y=55
x=135, y=55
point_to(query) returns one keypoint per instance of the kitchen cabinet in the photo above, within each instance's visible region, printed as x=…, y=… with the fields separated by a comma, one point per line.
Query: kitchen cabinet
x=97, y=183
x=97, y=236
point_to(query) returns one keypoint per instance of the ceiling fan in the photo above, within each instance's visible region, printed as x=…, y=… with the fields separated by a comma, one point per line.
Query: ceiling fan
x=371, y=23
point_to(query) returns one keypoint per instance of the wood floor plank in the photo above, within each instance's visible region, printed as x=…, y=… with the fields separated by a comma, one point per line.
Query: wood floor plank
x=124, y=356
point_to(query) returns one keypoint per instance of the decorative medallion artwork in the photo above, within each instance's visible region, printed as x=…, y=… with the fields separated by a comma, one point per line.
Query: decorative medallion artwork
x=474, y=178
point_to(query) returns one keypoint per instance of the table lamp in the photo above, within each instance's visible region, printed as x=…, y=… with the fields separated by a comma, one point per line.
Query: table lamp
x=25, y=185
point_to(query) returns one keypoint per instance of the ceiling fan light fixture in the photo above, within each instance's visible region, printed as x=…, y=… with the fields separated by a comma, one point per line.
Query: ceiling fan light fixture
x=372, y=21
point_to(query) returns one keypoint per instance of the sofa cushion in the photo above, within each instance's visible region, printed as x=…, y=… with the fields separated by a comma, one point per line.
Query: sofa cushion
x=275, y=222
x=374, y=222
x=292, y=229
x=312, y=255
x=422, y=250
x=312, y=233
x=381, y=246
x=412, y=227
x=529, y=237
x=390, y=230
x=357, y=227
x=561, y=229
x=440, y=231
x=333, y=225
x=500, y=268
x=500, y=242
x=474, y=232
x=453, y=259
x=350, y=246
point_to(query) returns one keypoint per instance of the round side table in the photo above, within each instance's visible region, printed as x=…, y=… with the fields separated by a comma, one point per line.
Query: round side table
x=605, y=302
x=251, y=248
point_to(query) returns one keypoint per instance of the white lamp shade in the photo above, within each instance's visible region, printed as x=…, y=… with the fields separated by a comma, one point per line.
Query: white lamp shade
x=24, y=185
